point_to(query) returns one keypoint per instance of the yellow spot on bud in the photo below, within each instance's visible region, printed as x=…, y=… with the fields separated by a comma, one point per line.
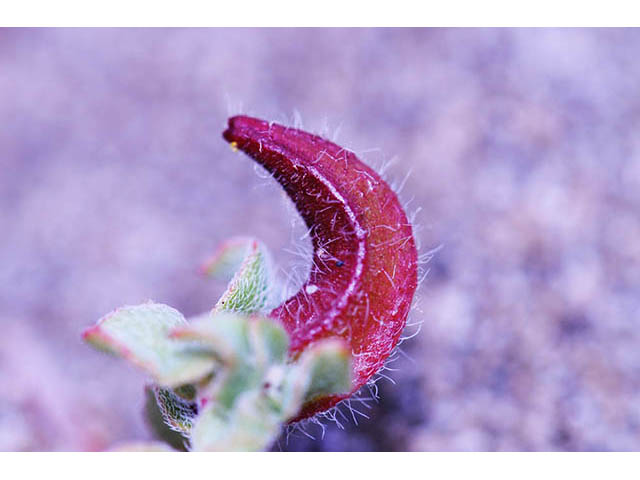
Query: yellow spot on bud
x=234, y=146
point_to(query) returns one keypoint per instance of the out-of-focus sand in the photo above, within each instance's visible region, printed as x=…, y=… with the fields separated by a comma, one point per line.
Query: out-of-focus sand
x=523, y=149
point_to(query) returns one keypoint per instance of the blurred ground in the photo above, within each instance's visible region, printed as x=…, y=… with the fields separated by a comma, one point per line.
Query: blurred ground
x=524, y=155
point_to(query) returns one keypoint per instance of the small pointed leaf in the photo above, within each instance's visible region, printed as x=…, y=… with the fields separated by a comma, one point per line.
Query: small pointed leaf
x=249, y=290
x=157, y=424
x=177, y=412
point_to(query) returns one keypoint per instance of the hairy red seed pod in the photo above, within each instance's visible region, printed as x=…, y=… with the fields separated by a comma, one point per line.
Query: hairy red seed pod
x=364, y=271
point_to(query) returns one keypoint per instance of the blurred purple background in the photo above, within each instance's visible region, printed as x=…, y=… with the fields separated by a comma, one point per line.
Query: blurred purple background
x=524, y=153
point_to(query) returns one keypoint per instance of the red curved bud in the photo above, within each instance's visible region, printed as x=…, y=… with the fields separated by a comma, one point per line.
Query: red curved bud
x=364, y=269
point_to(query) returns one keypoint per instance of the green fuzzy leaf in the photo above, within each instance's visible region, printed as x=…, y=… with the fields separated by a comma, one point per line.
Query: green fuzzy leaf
x=250, y=288
x=177, y=412
x=140, y=334
x=269, y=341
x=225, y=334
x=330, y=369
x=323, y=369
x=157, y=424
x=236, y=380
x=209, y=430
x=251, y=425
